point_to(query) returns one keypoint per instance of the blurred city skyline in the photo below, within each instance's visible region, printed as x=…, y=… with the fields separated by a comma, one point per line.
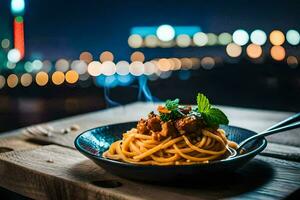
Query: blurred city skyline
x=54, y=29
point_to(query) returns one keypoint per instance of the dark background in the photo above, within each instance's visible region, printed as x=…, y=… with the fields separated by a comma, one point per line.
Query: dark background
x=62, y=29
x=57, y=28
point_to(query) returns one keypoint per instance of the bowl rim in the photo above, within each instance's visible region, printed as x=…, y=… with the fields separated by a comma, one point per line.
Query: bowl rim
x=253, y=153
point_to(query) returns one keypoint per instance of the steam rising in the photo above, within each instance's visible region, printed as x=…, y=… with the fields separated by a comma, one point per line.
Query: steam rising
x=144, y=89
x=109, y=102
x=144, y=93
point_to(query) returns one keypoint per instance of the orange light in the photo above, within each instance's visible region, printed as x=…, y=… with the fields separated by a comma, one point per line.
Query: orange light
x=277, y=37
x=12, y=80
x=254, y=51
x=19, y=35
x=72, y=76
x=278, y=53
x=137, y=56
x=106, y=56
x=58, y=77
x=156, y=67
x=186, y=63
x=233, y=50
x=26, y=79
x=177, y=63
x=41, y=78
x=164, y=65
x=172, y=63
x=86, y=56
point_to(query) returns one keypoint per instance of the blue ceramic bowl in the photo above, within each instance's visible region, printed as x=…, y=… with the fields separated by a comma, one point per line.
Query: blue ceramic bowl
x=94, y=142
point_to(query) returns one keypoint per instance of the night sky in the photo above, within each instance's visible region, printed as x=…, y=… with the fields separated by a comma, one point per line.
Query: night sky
x=56, y=28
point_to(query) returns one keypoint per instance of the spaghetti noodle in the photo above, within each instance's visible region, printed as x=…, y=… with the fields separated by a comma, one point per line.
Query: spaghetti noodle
x=183, y=140
x=142, y=149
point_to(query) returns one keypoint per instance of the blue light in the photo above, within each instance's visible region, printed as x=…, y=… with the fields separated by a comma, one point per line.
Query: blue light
x=106, y=81
x=184, y=75
x=17, y=7
x=144, y=89
x=151, y=30
x=100, y=80
x=188, y=30
x=143, y=30
x=293, y=37
x=125, y=80
x=111, y=81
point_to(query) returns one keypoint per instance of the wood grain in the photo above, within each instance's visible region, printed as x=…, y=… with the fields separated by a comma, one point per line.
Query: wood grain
x=72, y=176
x=15, y=143
x=285, y=152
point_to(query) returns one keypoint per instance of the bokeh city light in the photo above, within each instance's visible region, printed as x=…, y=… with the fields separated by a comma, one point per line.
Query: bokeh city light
x=12, y=80
x=41, y=78
x=58, y=78
x=26, y=80
x=17, y=7
x=277, y=37
x=293, y=37
x=233, y=50
x=71, y=76
x=200, y=39
x=278, y=53
x=135, y=41
x=165, y=33
x=240, y=37
x=254, y=51
x=258, y=37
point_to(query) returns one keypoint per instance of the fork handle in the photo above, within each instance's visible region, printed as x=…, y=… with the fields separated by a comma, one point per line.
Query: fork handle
x=287, y=124
x=291, y=119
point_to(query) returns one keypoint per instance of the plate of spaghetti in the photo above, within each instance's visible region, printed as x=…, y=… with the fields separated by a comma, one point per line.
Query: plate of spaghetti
x=174, y=142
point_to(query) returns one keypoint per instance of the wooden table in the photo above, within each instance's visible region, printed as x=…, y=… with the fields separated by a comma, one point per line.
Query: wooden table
x=43, y=167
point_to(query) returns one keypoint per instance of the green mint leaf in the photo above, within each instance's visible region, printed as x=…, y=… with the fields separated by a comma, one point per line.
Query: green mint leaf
x=164, y=117
x=172, y=104
x=203, y=103
x=214, y=117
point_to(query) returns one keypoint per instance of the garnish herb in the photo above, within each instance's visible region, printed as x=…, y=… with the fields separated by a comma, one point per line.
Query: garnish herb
x=174, y=113
x=212, y=116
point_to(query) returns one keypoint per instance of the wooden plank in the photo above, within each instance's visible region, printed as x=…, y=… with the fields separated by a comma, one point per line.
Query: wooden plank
x=15, y=143
x=282, y=151
x=72, y=176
